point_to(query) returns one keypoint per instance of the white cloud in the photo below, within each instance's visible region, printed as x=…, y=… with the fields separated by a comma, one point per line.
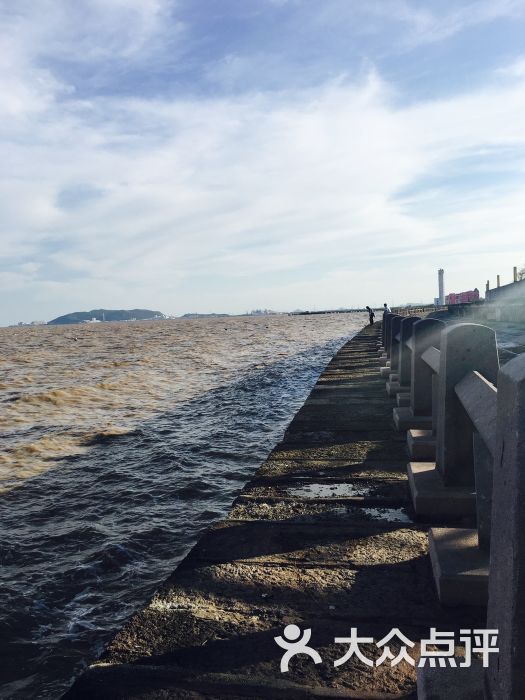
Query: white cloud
x=279, y=198
x=515, y=69
x=37, y=35
x=86, y=29
x=434, y=23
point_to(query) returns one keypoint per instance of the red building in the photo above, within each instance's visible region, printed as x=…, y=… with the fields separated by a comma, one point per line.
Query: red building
x=462, y=297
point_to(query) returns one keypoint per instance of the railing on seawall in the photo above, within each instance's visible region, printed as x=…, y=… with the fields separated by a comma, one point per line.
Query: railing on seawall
x=416, y=310
x=464, y=415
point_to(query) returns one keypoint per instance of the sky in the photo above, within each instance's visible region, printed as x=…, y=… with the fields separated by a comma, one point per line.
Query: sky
x=226, y=155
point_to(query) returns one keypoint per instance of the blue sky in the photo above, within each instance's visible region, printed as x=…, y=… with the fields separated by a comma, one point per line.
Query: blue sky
x=223, y=155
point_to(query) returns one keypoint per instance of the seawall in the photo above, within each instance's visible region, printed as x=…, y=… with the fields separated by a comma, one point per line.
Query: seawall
x=323, y=537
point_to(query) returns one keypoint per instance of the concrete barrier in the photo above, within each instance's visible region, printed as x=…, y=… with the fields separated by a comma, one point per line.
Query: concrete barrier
x=445, y=489
x=421, y=441
x=401, y=383
x=395, y=327
x=383, y=349
x=460, y=557
x=477, y=480
x=392, y=324
x=505, y=677
x=453, y=374
x=424, y=334
x=384, y=326
x=388, y=333
x=465, y=347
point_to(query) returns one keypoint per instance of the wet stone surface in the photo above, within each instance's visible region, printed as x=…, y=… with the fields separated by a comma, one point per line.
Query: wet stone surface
x=359, y=489
x=277, y=469
x=322, y=512
x=242, y=650
x=323, y=538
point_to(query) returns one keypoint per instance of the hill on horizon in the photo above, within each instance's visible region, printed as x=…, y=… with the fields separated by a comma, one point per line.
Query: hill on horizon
x=107, y=315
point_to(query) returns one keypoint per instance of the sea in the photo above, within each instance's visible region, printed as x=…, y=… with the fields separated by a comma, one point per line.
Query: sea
x=121, y=443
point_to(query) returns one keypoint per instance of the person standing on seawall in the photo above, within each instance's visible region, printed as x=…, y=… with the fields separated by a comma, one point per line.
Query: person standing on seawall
x=387, y=309
x=371, y=315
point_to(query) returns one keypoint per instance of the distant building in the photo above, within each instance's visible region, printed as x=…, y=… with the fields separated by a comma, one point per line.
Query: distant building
x=462, y=297
x=441, y=286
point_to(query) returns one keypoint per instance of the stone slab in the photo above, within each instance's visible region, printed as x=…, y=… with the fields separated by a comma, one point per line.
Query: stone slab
x=357, y=491
x=404, y=419
x=403, y=399
x=354, y=450
x=460, y=568
x=432, y=499
x=275, y=542
x=342, y=414
x=286, y=469
x=240, y=659
x=421, y=445
x=339, y=513
x=151, y=681
x=394, y=387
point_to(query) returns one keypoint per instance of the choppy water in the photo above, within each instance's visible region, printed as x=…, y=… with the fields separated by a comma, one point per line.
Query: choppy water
x=121, y=444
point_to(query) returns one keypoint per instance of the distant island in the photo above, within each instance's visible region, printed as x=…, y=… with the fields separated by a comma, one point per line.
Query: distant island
x=96, y=315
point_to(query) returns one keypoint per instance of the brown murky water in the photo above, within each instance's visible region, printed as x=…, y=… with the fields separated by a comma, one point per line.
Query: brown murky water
x=121, y=443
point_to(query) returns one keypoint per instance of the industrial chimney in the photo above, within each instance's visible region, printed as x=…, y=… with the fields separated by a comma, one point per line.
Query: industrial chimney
x=441, y=286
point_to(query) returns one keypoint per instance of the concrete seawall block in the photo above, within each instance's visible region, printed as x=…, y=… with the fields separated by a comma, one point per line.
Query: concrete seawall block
x=460, y=567
x=394, y=387
x=432, y=499
x=403, y=399
x=421, y=445
x=404, y=419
